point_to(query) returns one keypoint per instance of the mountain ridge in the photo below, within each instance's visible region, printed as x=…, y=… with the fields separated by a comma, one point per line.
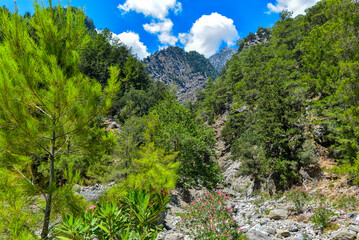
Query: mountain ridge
x=186, y=71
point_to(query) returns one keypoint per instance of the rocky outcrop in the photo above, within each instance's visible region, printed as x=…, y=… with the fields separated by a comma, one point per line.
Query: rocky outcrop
x=262, y=36
x=219, y=59
x=92, y=193
x=188, y=72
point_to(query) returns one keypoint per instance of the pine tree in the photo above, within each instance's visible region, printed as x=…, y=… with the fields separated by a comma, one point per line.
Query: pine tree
x=45, y=100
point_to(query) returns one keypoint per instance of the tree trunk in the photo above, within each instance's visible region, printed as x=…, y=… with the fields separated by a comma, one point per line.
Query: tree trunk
x=45, y=228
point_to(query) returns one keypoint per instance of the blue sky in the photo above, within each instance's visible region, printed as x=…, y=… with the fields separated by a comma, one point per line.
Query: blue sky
x=205, y=26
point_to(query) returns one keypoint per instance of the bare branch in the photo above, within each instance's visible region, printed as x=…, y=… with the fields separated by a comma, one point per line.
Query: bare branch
x=43, y=148
x=24, y=176
x=71, y=152
x=67, y=139
x=41, y=110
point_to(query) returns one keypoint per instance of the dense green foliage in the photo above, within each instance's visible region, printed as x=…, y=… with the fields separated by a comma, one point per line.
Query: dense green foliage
x=201, y=64
x=294, y=92
x=14, y=193
x=179, y=144
x=104, y=51
x=174, y=128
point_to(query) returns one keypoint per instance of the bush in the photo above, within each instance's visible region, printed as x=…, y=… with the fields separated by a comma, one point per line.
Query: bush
x=321, y=217
x=209, y=218
x=346, y=202
x=133, y=219
x=299, y=196
x=153, y=168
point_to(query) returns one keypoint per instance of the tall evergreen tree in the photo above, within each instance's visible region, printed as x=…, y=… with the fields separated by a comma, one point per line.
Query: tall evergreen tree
x=45, y=101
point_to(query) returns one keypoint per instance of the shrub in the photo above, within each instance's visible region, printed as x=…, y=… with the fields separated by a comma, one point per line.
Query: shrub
x=299, y=196
x=133, y=219
x=321, y=217
x=208, y=217
x=346, y=202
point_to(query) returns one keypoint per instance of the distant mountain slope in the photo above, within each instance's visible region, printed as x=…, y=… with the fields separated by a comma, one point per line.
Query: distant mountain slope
x=219, y=60
x=188, y=72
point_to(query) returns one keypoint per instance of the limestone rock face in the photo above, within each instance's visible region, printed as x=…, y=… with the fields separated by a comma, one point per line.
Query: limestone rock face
x=188, y=72
x=218, y=60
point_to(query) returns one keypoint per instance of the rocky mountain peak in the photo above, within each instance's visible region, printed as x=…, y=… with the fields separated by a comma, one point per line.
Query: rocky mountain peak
x=219, y=60
x=188, y=72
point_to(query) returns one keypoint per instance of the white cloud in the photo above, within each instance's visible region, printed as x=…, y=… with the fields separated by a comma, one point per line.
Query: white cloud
x=163, y=30
x=132, y=40
x=178, y=8
x=164, y=26
x=208, y=33
x=155, y=8
x=167, y=38
x=183, y=38
x=296, y=6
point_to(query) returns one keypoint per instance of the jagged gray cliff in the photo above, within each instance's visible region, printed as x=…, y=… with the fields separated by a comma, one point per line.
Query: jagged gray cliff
x=188, y=72
x=219, y=59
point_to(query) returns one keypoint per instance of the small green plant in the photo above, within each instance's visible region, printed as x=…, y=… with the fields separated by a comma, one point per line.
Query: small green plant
x=249, y=218
x=299, y=196
x=331, y=227
x=261, y=198
x=347, y=202
x=321, y=217
x=305, y=236
x=207, y=217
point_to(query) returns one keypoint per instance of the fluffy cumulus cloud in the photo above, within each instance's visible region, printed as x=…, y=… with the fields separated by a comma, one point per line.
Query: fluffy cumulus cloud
x=208, y=33
x=155, y=8
x=164, y=26
x=132, y=40
x=296, y=6
x=158, y=10
x=163, y=30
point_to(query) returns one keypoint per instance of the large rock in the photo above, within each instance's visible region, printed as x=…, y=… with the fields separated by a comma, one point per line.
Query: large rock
x=278, y=214
x=354, y=228
x=356, y=220
x=231, y=173
x=255, y=234
x=345, y=235
x=284, y=233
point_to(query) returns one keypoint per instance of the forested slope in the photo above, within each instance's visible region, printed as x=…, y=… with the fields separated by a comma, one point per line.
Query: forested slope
x=293, y=95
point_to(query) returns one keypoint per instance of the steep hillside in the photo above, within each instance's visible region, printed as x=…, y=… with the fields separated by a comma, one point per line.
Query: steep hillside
x=291, y=94
x=218, y=60
x=188, y=72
